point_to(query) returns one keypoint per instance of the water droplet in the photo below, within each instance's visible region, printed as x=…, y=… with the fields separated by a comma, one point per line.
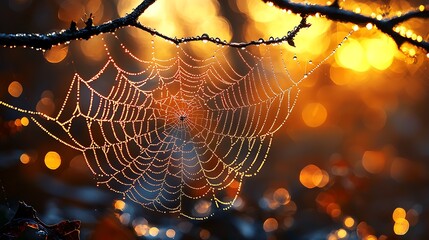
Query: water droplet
x=295, y=57
x=217, y=39
x=261, y=40
x=310, y=62
x=205, y=35
x=271, y=39
x=305, y=75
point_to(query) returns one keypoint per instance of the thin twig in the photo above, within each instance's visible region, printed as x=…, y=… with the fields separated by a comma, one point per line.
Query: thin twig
x=289, y=38
x=335, y=13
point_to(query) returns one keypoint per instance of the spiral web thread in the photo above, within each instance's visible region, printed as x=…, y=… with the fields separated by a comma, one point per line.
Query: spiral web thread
x=180, y=133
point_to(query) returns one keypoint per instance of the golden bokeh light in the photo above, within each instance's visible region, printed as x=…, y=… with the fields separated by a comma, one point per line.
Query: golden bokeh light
x=56, y=54
x=270, y=225
x=119, y=205
x=398, y=213
x=24, y=158
x=170, y=233
x=374, y=161
x=153, y=231
x=401, y=226
x=314, y=114
x=25, y=121
x=312, y=176
x=172, y=19
x=341, y=233
x=352, y=56
x=370, y=237
x=380, y=51
x=52, y=160
x=349, y=222
x=141, y=229
x=15, y=89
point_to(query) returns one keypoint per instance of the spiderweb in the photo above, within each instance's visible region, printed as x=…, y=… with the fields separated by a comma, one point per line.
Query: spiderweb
x=174, y=132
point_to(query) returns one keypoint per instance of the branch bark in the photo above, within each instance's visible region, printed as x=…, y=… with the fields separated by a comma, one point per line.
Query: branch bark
x=335, y=13
x=332, y=12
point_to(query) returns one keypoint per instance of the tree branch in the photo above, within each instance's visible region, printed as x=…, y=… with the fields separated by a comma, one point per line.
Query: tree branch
x=335, y=13
x=289, y=38
x=46, y=41
x=332, y=12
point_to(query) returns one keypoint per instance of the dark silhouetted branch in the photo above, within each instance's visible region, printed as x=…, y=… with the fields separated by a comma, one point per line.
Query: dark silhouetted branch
x=289, y=38
x=335, y=13
x=46, y=41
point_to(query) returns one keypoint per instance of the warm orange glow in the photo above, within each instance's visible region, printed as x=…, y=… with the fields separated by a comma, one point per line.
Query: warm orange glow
x=311, y=176
x=341, y=233
x=398, y=213
x=334, y=210
x=170, y=233
x=203, y=207
x=18, y=122
x=270, y=225
x=370, y=237
x=153, y=231
x=349, y=222
x=401, y=226
x=15, y=89
x=314, y=114
x=141, y=229
x=24, y=121
x=281, y=196
x=352, y=56
x=93, y=48
x=373, y=161
x=24, y=158
x=380, y=51
x=172, y=19
x=325, y=179
x=46, y=104
x=120, y=205
x=52, y=160
x=204, y=234
x=56, y=54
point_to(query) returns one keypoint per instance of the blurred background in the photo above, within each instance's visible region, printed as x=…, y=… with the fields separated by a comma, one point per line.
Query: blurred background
x=350, y=163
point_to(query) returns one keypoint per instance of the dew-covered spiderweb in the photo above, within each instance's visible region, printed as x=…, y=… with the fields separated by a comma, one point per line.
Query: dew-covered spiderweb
x=172, y=128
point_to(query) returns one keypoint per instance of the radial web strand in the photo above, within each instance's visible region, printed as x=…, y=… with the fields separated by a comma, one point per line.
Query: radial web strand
x=178, y=130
